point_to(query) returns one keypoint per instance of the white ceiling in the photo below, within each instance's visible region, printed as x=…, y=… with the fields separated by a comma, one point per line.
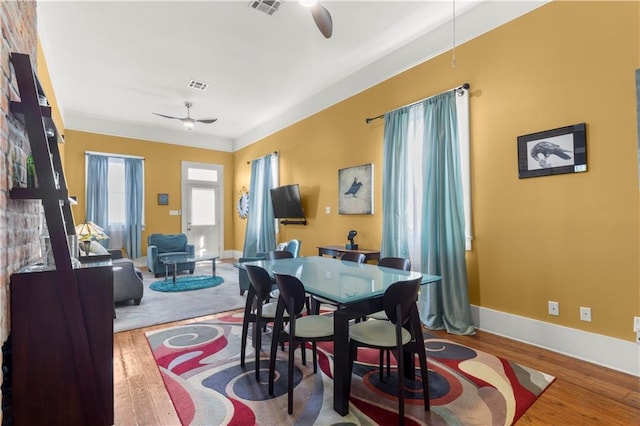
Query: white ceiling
x=113, y=63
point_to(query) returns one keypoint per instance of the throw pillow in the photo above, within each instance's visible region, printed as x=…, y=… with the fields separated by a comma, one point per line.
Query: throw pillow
x=95, y=249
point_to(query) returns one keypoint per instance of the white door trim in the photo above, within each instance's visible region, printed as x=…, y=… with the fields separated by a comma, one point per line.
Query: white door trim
x=220, y=201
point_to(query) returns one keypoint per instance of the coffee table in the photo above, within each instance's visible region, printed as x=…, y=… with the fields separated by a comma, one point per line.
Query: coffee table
x=173, y=261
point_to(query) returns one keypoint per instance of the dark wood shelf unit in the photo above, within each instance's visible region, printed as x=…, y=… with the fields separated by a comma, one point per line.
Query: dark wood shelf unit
x=36, y=194
x=62, y=319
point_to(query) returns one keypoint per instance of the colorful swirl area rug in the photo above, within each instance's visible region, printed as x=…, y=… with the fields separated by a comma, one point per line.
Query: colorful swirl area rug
x=200, y=366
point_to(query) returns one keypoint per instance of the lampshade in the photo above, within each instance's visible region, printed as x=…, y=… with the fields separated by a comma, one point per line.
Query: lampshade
x=88, y=231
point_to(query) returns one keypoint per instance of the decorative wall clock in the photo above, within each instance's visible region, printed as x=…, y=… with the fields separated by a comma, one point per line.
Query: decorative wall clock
x=243, y=203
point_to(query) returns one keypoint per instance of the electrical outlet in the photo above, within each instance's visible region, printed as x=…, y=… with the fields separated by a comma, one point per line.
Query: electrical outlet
x=554, y=308
x=327, y=210
x=636, y=323
x=585, y=314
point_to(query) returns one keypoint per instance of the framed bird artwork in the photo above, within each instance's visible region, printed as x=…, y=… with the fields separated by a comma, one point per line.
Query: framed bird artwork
x=553, y=152
x=355, y=190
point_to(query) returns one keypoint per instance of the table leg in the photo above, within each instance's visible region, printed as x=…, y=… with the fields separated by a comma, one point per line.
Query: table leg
x=341, y=376
x=175, y=269
x=341, y=379
x=213, y=268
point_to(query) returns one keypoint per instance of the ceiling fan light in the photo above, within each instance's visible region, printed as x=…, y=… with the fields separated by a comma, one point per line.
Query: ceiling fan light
x=189, y=123
x=308, y=3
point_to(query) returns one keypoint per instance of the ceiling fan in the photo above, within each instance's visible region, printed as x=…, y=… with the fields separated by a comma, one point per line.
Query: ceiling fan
x=187, y=121
x=321, y=16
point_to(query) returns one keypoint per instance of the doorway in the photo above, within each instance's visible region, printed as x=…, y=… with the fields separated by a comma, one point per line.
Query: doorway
x=202, y=219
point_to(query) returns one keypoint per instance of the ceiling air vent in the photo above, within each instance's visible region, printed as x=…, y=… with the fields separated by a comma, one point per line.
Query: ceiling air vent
x=267, y=6
x=198, y=85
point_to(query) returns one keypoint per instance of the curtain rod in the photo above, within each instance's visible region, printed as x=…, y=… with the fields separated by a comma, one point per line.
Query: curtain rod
x=106, y=154
x=459, y=90
x=273, y=153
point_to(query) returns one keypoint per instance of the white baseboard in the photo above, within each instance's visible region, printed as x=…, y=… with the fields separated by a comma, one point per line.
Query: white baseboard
x=598, y=349
x=232, y=254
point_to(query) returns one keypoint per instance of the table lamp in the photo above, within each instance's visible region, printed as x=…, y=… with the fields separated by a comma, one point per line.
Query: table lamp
x=87, y=232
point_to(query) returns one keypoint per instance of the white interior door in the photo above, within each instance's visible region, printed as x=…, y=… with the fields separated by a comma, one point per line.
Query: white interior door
x=202, y=221
x=202, y=207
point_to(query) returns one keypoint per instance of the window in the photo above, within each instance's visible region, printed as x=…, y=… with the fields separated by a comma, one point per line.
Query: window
x=107, y=204
x=115, y=187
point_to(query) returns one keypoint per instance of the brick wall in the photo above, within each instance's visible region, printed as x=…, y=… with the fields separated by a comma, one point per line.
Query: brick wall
x=19, y=220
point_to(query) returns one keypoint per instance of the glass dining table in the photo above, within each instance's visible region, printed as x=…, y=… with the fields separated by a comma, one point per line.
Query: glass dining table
x=356, y=288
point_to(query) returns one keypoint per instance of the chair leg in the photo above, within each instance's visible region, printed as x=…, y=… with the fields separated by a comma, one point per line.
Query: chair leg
x=388, y=363
x=381, y=365
x=243, y=344
x=258, y=349
x=400, y=363
x=275, y=336
x=424, y=375
x=315, y=357
x=290, y=377
x=303, y=349
x=245, y=330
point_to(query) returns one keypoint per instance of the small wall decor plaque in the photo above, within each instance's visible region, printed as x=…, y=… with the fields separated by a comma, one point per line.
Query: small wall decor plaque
x=553, y=152
x=163, y=199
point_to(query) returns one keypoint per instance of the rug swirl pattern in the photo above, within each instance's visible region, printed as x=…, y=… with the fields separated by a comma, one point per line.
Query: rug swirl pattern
x=200, y=365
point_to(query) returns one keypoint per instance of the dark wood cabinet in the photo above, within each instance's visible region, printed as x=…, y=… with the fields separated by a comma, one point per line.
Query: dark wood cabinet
x=47, y=386
x=61, y=314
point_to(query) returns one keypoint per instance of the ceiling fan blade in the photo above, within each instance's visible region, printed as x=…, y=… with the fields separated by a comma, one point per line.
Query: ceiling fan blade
x=168, y=116
x=207, y=120
x=323, y=20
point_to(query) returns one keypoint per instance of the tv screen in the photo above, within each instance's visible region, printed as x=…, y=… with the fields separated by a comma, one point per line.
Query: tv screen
x=286, y=202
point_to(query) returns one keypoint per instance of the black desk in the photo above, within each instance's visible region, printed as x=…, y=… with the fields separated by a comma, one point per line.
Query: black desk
x=337, y=251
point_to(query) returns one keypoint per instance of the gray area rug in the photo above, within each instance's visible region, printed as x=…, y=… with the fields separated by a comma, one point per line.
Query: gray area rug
x=159, y=308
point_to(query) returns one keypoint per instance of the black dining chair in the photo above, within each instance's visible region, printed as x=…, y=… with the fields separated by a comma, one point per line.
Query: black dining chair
x=348, y=257
x=258, y=310
x=351, y=256
x=401, y=333
x=282, y=254
x=278, y=254
x=301, y=329
x=395, y=263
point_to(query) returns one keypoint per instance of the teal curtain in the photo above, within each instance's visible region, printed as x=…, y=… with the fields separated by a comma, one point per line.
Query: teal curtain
x=423, y=209
x=260, y=233
x=395, y=220
x=97, y=206
x=133, y=192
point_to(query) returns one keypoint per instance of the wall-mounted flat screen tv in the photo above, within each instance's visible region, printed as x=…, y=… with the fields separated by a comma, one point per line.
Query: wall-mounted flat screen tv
x=286, y=202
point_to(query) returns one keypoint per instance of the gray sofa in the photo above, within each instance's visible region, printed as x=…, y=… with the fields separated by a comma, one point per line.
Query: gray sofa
x=127, y=279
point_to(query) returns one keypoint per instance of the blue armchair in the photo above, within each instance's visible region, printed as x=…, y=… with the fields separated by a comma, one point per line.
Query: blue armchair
x=292, y=246
x=166, y=246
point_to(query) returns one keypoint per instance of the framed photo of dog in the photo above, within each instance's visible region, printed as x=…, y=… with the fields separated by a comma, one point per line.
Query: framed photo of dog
x=553, y=152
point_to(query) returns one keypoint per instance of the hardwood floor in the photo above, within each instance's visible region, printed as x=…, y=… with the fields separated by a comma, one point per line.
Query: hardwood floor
x=583, y=393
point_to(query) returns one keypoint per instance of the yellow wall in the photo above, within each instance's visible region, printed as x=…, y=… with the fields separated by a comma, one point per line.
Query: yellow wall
x=162, y=175
x=571, y=238
x=47, y=87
